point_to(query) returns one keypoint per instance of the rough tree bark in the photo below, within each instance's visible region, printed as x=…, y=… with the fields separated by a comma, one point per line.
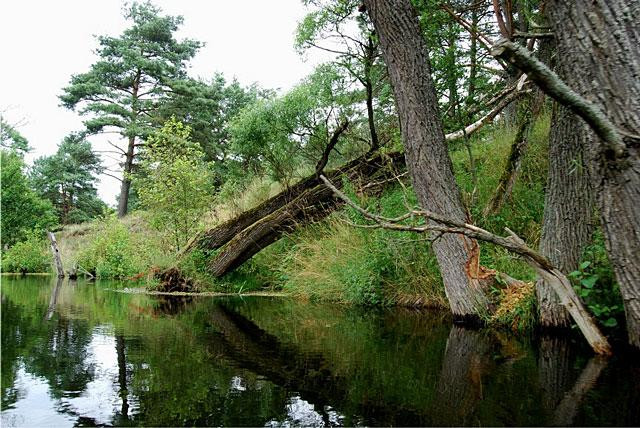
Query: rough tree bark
x=599, y=44
x=568, y=209
x=426, y=153
x=567, y=227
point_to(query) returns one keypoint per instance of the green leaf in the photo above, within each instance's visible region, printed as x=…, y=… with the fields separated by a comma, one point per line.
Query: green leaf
x=611, y=322
x=584, y=265
x=590, y=281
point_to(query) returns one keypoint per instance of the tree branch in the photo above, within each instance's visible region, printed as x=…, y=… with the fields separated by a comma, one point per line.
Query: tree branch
x=552, y=85
x=513, y=243
x=332, y=143
x=112, y=176
x=508, y=98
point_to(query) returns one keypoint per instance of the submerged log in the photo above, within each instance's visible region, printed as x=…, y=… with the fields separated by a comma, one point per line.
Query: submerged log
x=310, y=205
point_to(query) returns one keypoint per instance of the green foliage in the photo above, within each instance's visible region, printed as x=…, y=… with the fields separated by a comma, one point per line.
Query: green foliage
x=28, y=256
x=339, y=28
x=11, y=139
x=334, y=261
x=132, y=74
x=174, y=184
x=68, y=180
x=524, y=210
x=595, y=283
x=123, y=90
x=458, y=85
x=277, y=135
x=112, y=253
x=207, y=107
x=22, y=209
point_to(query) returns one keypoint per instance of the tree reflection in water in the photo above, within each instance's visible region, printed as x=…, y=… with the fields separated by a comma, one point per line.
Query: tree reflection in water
x=112, y=358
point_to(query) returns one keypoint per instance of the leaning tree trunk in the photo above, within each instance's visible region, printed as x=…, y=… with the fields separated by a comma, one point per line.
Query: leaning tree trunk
x=567, y=228
x=599, y=44
x=426, y=153
x=218, y=236
x=508, y=177
x=568, y=209
x=310, y=205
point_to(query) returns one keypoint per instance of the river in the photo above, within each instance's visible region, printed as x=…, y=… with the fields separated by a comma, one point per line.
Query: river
x=79, y=353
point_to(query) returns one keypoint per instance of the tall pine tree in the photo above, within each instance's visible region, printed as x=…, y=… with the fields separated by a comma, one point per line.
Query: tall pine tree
x=131, y=78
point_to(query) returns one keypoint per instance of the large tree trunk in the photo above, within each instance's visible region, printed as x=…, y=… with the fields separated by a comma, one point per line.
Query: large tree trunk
x=426, y=153
x=599, y=44
x=568, y=209
x=125, y=187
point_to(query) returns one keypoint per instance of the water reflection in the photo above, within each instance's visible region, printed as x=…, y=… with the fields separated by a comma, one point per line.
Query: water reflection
x=77, y=354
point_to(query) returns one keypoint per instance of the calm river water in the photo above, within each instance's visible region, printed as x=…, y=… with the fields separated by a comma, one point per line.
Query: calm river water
x=80, y=354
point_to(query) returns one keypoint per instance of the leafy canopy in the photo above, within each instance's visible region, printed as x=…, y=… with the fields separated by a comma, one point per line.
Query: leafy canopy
x=175, y=183
x=133, y=74
x=22, y=209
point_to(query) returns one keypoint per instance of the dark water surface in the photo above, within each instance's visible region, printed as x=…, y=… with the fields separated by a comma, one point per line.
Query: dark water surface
x=79, y=354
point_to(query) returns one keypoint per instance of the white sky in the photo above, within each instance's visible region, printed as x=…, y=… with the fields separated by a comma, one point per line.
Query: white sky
x=44, y=42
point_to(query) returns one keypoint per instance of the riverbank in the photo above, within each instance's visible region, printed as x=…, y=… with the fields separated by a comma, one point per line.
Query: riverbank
x=145, y=291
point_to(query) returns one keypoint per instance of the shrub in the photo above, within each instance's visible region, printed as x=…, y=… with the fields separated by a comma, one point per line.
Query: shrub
x=174, y=184
x=28, y=256
x=595, y=283
x=111, y=254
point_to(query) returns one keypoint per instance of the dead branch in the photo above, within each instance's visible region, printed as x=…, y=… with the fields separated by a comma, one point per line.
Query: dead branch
x=483, y=39
x=330, y=146
x=552, y=85
x=525, y=35
x=488, y=118
x=513, y=243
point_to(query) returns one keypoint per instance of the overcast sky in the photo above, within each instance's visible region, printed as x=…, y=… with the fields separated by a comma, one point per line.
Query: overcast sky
x=45, y=42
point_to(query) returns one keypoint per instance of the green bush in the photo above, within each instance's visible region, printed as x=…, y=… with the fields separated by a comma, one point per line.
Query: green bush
x=28, y=256
x=112, y=254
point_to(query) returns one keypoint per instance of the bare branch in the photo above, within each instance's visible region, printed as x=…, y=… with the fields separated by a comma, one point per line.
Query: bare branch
x=525, y=35
x=488, y=118
x=112, y=176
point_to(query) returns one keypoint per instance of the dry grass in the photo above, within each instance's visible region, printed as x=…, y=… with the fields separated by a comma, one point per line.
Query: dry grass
x=515, y=307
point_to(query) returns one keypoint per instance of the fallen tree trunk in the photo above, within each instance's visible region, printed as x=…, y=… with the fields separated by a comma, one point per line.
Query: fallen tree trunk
x=218, y=236
x=311, y=205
